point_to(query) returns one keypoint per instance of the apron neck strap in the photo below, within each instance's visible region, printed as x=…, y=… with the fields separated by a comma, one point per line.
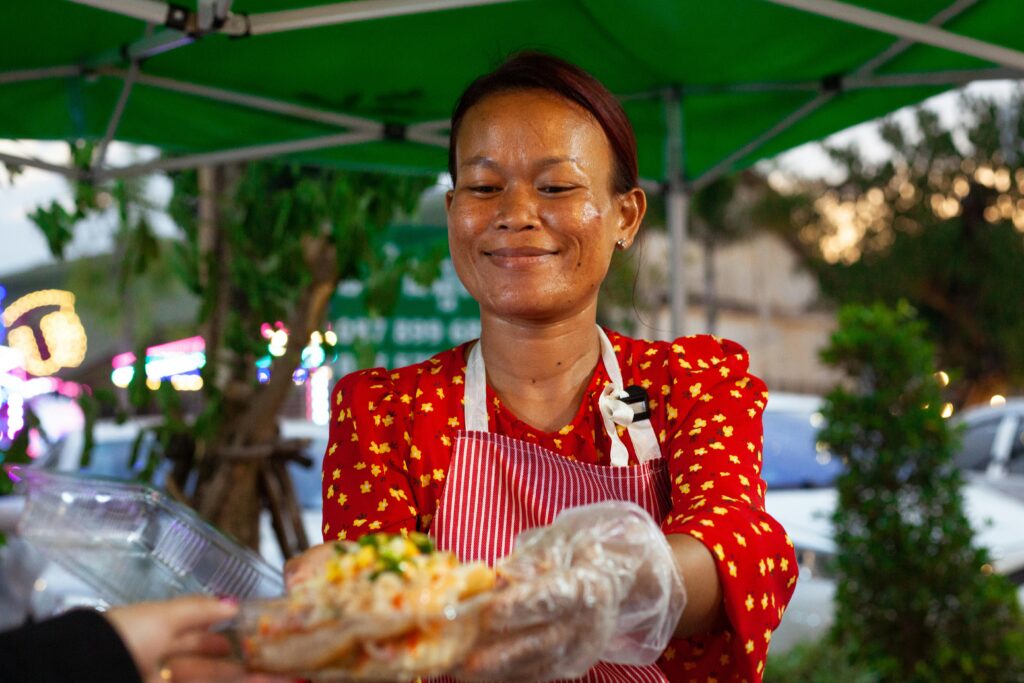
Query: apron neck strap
x=475, y=403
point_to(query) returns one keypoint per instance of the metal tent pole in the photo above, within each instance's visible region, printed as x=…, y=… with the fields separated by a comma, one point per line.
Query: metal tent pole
x=39, y=74
x=864, y=71
x=256, y=102
x=346, y=12
x=239, y=154
x=66, y=171
x=150, y=11
x=677, y=204
x=115, y=117
x=919, y=33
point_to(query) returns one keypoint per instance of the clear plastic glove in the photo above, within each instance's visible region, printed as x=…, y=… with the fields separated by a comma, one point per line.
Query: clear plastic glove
x=598, y=584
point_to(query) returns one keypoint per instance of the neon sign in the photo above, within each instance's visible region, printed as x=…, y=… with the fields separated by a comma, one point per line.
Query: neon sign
x=44, y=327
x=178, y=362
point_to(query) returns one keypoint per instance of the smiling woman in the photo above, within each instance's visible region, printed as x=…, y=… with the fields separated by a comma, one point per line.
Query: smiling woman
x=627, y=526
x=534, y=217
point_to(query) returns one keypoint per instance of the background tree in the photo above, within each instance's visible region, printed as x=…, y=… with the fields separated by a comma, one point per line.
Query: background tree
x=271, y=241
x=915, y=601
x=262, y=242
x=939, y=222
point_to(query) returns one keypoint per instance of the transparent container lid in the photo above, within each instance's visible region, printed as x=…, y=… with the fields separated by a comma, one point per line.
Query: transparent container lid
x=132, y=543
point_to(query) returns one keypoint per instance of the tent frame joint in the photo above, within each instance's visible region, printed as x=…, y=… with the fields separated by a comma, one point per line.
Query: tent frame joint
x=179, y=18
x=395, y=132
x=833, y=84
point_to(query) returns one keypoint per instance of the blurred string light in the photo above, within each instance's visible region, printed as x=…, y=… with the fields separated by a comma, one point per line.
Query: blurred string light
x=62, y=334
x=178, y=362
x=997, y=400
x=942, y=378
x=947, y=411
x=3, y=327
x=319, y=352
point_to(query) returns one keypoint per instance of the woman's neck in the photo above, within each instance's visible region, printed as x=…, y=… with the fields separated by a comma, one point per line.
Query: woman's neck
x=541, y=371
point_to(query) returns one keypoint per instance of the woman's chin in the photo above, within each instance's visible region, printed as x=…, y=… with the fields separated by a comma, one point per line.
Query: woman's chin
x=537, y=308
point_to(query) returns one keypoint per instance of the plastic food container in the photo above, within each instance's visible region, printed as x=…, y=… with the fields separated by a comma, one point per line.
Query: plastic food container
x=132, y=543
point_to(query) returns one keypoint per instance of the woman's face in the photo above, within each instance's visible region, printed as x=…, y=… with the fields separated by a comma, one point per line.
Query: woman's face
x=533, y=219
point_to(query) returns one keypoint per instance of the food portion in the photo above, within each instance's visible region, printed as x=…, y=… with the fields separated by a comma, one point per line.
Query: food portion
x=389, y=606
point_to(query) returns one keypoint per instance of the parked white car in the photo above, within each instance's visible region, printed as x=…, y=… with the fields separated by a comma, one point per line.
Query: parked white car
x=799, y=472
x=993, y=445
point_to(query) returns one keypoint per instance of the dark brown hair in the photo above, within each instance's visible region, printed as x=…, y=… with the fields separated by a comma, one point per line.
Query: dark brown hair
x=540, y=71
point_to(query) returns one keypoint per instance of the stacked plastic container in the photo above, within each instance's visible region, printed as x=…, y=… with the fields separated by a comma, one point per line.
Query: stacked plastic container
x=132, y=543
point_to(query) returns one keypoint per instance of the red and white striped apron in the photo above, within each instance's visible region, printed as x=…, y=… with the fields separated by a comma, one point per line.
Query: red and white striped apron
x=498, y=486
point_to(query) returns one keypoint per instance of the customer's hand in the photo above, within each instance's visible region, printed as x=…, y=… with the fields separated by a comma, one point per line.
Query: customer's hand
x=599, y=583
x=171, y=640
x=302, y=567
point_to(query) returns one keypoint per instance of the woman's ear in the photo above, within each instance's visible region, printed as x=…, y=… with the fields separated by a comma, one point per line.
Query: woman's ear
x=632, y=207
x=448, y=200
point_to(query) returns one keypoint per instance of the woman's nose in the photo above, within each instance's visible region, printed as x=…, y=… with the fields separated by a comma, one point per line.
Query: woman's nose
x=518, y=210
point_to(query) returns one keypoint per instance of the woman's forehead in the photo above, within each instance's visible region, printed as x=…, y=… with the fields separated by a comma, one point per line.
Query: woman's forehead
x=535, y=125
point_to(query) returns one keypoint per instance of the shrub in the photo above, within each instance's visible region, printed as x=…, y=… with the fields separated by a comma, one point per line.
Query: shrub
x=915, y=600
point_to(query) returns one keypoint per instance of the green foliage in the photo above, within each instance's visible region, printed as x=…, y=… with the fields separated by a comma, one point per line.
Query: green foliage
x=821, y=661
x=272, y=207
x=617, y=304
x=937, y=222
x=915, y=601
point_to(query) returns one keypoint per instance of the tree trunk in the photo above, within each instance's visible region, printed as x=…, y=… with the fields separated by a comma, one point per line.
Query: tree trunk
x=230, y=495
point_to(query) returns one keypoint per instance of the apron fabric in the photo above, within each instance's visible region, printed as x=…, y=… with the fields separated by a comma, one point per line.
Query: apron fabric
x=498, y=486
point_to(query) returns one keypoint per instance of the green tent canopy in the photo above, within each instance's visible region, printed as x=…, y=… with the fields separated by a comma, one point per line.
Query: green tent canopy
x=710, y=86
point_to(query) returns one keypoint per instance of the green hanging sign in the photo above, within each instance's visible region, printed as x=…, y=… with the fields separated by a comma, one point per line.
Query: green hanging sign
x=425, y=320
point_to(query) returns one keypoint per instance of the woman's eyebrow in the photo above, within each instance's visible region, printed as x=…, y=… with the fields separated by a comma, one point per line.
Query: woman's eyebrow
x=487, y=162
x=554, y=161
x=479, y=160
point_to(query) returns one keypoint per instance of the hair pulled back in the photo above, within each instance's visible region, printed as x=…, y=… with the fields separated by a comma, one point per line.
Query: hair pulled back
x=540, y=71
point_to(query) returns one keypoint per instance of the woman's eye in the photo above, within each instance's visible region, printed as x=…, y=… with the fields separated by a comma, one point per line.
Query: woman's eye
x=555, y=189
x=483, y=189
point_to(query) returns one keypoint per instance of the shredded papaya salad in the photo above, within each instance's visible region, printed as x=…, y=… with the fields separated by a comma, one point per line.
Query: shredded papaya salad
x=386, y=605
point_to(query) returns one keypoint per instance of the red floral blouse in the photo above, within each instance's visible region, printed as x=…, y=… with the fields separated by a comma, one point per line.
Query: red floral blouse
x=391, y=443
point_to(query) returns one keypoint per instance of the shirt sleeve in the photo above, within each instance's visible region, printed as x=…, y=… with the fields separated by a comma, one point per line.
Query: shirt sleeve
x=714, y=450
x=366, y=485
x=80, y=645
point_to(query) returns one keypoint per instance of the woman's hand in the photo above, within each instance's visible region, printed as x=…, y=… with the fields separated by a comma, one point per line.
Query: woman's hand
x=171, y=641
x=301, y=567
x=599, y=583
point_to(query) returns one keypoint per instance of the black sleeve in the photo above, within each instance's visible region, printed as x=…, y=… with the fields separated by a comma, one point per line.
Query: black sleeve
x=80, y=647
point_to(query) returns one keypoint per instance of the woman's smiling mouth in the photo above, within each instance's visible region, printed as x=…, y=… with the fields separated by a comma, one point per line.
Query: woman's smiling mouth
x=518, y=257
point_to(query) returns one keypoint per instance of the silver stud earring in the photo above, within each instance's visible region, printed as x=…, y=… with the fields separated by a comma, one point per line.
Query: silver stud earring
x=621, y=245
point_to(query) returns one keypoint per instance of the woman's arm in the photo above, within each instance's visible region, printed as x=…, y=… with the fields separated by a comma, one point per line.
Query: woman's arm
x=704, y=610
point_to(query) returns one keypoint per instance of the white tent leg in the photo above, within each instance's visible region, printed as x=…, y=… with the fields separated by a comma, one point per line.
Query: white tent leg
x=677, y=202
x=919, y=33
